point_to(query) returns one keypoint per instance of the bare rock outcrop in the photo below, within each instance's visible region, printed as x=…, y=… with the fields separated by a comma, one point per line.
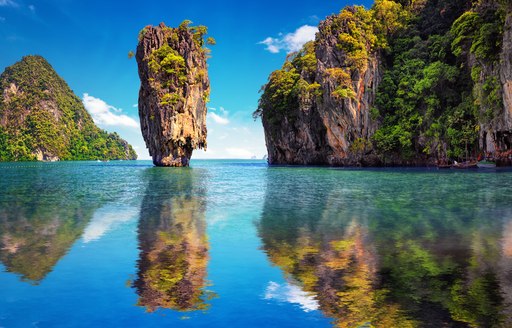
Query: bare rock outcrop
x=173, y=93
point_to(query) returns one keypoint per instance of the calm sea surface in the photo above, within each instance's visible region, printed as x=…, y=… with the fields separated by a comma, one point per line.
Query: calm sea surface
x=239, y=244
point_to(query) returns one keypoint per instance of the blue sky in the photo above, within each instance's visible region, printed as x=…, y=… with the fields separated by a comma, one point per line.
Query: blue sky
x=87, y=43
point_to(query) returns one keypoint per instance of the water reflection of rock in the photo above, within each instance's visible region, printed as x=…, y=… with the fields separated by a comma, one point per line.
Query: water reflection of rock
x=385, y=255
x=323, y=244
x=173, y=242
x=505, y=271
x=38, y=223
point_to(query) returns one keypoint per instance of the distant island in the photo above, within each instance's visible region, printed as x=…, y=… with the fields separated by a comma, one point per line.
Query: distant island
x=42, y=119
x=402, y=83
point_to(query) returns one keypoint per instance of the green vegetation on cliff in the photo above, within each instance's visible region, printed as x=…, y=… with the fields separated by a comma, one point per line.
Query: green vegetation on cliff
x=41, y=118
x=438, y=95
x=174, y=90
x=365, y=31
x=433, y=92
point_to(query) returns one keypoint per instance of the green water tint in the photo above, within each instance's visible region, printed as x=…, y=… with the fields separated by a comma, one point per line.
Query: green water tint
x=394, y=249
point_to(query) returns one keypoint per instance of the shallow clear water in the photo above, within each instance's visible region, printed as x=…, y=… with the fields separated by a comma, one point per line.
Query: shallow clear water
x=238, y=244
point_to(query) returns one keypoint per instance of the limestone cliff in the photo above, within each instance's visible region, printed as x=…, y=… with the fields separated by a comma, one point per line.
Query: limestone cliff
x=506, y=72
x=503, y=132
x=400, y=83
x=493, y=79
x=324, y=111
x=174, y=91
x=42, y=119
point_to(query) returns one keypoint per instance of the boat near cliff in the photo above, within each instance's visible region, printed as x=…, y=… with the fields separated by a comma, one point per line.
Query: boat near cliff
x=465, y=165
x=486, y=164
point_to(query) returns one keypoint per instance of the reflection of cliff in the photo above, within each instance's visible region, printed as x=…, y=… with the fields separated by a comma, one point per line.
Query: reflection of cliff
x=505, y=271
x=173, y=243
x=380, y=253
x=330, y=253
x=476, y=297
x=39, y=224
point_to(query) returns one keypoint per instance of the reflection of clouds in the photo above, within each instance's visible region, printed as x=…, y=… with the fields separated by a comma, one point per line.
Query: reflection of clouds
x=106, y=219
x=291, y=293
x=217, y=218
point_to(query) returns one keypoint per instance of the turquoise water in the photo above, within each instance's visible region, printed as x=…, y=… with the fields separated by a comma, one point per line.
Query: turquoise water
x=238, y=244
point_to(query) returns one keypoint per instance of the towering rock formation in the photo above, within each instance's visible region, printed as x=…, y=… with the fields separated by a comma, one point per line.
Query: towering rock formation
x=506, y=71
x=399, y=84
x=174, y=91
x=316, y=109
x=504, y=130
x=42, y=119
x=493, y=82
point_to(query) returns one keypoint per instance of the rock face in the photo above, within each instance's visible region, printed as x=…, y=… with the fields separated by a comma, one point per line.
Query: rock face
x=503, y=130
x=173, y=93
x=410, y=84
x=496, y=131
x=325, y=119
x=42, y=119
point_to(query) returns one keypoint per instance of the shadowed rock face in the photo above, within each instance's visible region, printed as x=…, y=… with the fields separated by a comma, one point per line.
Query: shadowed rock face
x=506, y=73
x=328, y=110
x=503, y=129
x=173, y=93
x=350, y=97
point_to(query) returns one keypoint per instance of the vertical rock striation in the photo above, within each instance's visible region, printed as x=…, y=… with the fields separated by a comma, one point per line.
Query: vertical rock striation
x=173, y=93
x=504, y=134
x=398, y=84
x=316, y=109
x=349, y=87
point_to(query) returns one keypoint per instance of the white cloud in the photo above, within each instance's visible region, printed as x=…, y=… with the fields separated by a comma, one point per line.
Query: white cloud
x=105, y=115
x=240, y=153
x=8, y=3
x=272, y=44
x=292, y=41
x=106, y=219
x=135, y=105
x=32, y=8
x=243, y=138
x=291, y=293
x=218, y=119
x=221, y=119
